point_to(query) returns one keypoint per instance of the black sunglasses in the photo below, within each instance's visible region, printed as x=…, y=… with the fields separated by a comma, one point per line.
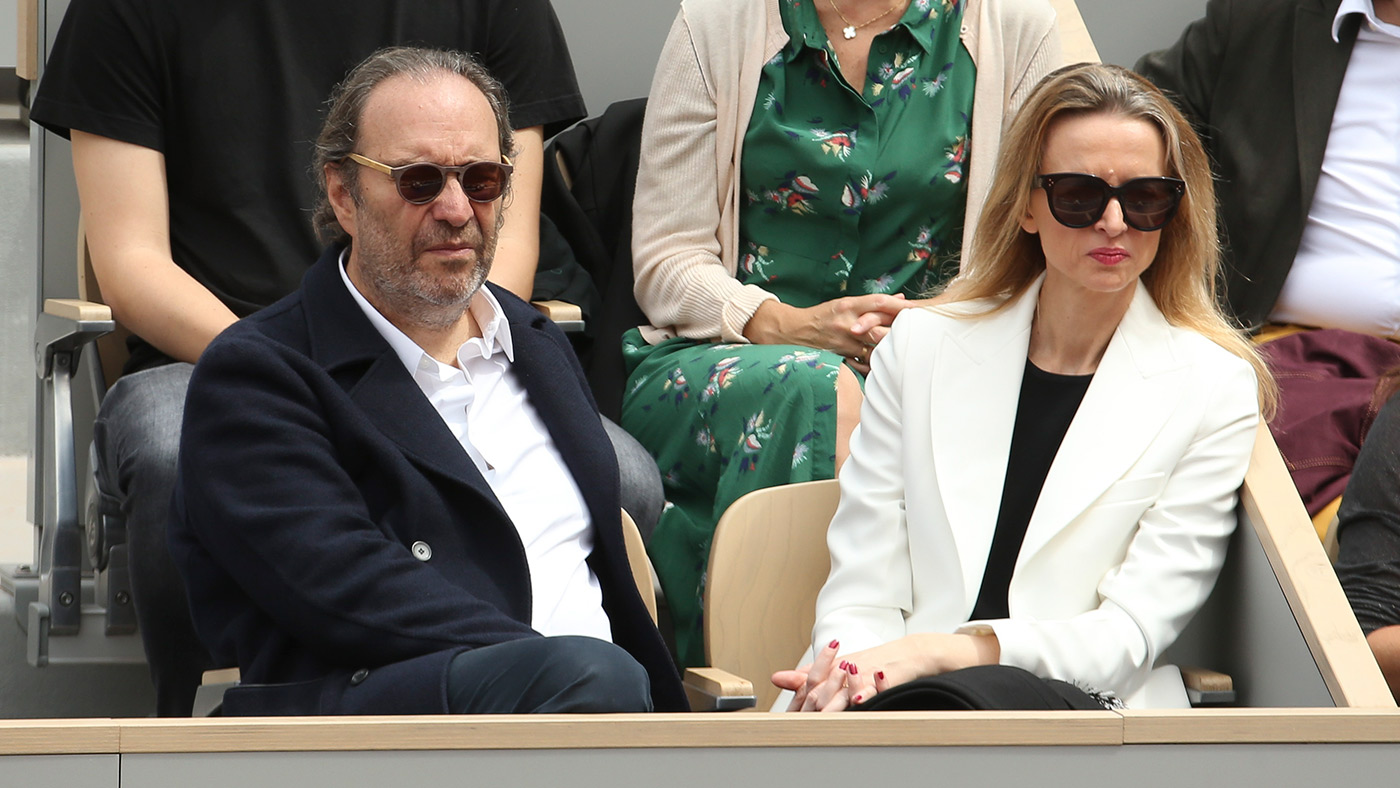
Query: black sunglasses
x=421, y=182
x=1078, y=200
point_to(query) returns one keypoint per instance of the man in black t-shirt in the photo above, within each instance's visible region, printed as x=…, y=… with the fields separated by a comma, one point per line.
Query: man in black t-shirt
x=192, y=123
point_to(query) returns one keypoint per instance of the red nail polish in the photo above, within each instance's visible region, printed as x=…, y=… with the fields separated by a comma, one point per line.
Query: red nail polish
x=856, y=699
x=880, y=674
x=853, y=669
x=842, y=665
x=834, y=644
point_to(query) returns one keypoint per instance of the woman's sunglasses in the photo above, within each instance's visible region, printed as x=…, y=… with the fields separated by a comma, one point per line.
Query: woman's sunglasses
x=1078, y=200
x=421, y=182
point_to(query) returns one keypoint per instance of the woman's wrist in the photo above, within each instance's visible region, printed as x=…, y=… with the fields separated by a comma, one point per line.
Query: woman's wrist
x=940, y=653
x=766, y=326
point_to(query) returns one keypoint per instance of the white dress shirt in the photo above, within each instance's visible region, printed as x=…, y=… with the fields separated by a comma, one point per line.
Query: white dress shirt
x=487, y=409
x=1347, y=271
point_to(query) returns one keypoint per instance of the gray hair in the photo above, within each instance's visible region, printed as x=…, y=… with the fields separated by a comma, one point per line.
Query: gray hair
x=339, y=134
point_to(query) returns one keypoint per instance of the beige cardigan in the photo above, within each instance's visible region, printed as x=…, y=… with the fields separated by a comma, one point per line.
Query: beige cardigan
x=685, y=222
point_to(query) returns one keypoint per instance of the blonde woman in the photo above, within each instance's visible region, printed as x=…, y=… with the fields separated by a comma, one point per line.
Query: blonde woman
x=1075, y=514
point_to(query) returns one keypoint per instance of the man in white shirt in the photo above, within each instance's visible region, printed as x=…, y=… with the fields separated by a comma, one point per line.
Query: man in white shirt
x=1298, y=104
x=395, y=495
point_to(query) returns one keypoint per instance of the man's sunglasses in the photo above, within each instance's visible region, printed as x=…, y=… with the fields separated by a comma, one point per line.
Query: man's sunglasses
x=1078, y=200
x=421, y=182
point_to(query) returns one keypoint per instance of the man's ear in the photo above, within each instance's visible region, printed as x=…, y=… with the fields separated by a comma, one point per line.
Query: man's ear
x=342, y=202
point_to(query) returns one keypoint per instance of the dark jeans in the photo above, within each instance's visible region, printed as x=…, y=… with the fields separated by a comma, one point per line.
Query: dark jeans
x=554, y=675
x=136, y=441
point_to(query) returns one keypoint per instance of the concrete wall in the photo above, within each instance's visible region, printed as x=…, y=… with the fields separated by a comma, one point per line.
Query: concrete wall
x=1124, y=30
x=9, y=32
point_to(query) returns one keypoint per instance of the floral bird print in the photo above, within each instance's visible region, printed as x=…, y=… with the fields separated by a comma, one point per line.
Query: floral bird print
x=836, y=143
x=793, y=194
x=866, y=191
x=956, y=155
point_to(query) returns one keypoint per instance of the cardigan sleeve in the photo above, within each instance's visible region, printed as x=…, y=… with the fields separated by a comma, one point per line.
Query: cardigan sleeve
x=682, y=282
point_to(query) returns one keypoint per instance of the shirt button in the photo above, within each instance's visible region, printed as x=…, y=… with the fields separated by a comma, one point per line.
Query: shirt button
x=359, y=676
x=421, y=551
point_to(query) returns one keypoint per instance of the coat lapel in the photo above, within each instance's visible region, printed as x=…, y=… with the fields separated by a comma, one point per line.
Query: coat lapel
x=552, y=386
x=1319, y=65
x=977, y=381
x=1134, y=392
x=353, y=352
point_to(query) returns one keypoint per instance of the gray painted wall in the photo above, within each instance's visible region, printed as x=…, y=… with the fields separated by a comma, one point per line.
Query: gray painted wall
x=1125, y=30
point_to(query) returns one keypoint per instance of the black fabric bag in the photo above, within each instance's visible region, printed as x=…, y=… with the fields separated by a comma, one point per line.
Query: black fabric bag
x=983, y=687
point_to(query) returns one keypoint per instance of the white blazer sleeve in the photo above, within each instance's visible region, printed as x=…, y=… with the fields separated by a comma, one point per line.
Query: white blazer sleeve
x=681, y=281
x=869, y=591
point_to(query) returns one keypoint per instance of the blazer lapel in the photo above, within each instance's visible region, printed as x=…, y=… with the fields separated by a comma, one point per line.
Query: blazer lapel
x=1133, y=393
x=1319, y=65
x=353, y=352
x=551, y=383
x=976, y=386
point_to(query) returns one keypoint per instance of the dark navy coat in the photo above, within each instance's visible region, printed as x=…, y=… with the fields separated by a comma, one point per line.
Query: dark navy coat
x=310, y=462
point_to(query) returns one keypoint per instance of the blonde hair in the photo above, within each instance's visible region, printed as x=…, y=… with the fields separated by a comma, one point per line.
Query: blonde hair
x=1002, y=259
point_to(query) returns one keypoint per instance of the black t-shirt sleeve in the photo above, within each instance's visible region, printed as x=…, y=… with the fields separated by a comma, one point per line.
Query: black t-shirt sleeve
x=1368, y=531
x=102, y=75
x=527, y=52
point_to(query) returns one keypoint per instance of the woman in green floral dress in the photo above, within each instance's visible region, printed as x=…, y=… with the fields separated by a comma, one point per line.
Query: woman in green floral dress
x=846, y=174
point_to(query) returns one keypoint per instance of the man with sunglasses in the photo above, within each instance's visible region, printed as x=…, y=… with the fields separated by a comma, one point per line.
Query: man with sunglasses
x=396, y=496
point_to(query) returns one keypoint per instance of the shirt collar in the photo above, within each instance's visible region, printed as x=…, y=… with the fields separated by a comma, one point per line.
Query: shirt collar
x=495, y=329
x=1368, y=11
x=921, y=19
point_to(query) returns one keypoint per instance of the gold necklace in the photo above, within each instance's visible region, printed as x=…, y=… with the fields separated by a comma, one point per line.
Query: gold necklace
x=849, y=31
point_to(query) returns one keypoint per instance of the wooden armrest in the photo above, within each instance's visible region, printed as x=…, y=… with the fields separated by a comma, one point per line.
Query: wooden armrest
x=568, y=317
x=27, y=65
x=76, y=309
x=712, y=689
x=559, y=310
x=1207, y=687
x=220, y=676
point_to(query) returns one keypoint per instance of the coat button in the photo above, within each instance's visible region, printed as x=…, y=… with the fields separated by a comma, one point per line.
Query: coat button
x=421, y=551
x=358, y=677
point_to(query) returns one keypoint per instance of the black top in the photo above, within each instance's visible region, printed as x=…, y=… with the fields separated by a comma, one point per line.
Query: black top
x=1046, y=408
x=232, y=93
x=1368, y=526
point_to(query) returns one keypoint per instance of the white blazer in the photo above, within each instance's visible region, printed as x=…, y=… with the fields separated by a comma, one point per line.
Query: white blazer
x=1126, y=538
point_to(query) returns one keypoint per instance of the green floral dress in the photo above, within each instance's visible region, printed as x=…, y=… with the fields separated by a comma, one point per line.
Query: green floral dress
x=847, y=193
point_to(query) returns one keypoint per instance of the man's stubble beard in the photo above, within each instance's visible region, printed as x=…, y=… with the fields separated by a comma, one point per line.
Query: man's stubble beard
x=406, y=289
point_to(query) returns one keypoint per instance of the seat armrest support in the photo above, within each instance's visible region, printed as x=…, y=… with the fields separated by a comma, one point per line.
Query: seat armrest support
x=712, y=689
x=568, y=317
x=60, y=334
x=1207, y=687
